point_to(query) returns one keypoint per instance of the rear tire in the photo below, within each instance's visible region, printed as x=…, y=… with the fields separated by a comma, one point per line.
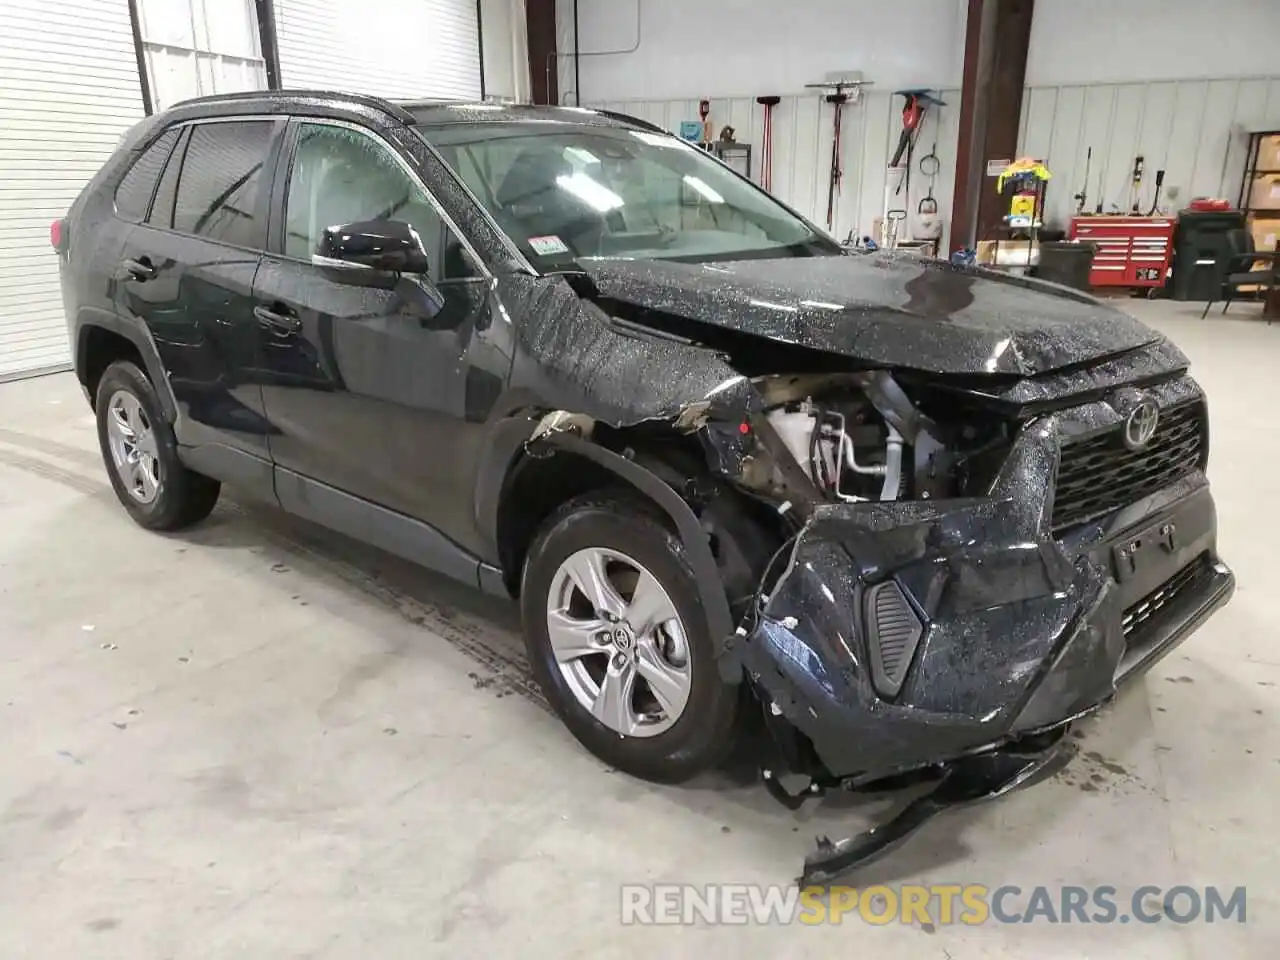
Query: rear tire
x=677, y=717
x=141, y=454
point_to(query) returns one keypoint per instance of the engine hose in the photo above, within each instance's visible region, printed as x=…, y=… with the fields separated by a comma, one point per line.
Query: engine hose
x=892, y=488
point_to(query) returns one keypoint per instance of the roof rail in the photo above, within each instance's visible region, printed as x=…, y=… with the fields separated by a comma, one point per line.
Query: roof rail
x=377, y=103
x=634, y=121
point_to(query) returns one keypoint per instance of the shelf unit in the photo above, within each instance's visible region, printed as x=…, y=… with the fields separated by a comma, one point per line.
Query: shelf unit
x=1260, y=188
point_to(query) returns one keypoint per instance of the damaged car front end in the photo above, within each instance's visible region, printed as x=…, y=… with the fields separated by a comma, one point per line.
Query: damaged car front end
x=935, y=514
x=958, y=636
x=970, y=563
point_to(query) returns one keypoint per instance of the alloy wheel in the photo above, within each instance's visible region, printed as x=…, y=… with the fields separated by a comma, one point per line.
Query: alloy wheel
x=133, y=446
x=619, y=642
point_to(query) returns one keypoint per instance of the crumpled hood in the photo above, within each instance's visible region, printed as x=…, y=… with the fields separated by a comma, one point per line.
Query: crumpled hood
x=895, y=310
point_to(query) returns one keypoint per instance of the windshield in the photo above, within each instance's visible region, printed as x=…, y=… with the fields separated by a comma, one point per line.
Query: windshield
x=564, y=192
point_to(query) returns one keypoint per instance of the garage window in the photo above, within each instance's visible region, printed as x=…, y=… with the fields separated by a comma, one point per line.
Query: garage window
x=133, y=196
x=218, y=187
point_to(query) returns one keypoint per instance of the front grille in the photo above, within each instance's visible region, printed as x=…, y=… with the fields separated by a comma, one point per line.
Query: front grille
x=1101, y=474
x=1136, y=616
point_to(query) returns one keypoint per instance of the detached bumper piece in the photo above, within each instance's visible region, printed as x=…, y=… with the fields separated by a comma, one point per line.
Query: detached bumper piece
x=967, y=781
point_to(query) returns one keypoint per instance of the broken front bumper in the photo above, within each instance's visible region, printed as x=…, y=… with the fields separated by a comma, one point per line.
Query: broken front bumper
x=913, y=633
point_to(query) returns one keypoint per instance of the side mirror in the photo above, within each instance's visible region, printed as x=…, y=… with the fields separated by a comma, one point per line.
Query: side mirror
x=387, y=245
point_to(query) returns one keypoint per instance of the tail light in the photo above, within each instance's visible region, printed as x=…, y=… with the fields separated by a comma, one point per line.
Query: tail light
x=59, y=235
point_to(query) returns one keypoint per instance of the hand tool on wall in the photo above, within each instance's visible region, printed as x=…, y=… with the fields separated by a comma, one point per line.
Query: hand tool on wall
x=838, y=98
x=766, y=159
x=928, y=225
x=1155, y=201
x=837, y=101
x=915, y=104
x=1082, y=197
x=1135, y=186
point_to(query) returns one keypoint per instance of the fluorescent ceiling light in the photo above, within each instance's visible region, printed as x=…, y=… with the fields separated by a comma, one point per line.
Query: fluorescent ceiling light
x=593, y=194
x=659, y=139
x=586, y=156
x=703, y=188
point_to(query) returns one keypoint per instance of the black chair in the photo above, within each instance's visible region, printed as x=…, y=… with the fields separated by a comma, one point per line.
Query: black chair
x=1235, y=269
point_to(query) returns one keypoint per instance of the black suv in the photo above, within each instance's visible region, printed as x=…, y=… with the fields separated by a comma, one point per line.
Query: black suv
x=906, y=518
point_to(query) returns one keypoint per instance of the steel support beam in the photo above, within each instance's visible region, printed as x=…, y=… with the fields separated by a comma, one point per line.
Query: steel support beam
x=997, y=36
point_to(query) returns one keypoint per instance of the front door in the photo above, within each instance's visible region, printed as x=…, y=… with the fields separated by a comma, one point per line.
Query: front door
x=366, y=386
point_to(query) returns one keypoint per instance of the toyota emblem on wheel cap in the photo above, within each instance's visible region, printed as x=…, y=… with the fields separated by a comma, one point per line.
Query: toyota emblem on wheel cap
x=1141, y=424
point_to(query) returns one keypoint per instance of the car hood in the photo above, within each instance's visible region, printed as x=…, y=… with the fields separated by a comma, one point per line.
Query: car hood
x=889, y=309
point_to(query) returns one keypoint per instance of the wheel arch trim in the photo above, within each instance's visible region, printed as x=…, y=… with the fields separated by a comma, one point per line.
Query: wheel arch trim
x=706, y=572
x=91, y=318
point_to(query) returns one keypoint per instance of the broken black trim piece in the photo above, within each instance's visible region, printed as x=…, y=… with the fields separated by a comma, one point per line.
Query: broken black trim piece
x=967, y=781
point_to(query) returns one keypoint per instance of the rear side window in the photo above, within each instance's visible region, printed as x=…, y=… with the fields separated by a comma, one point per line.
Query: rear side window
x=133, y=196
x=161, y=214
x=221, y=177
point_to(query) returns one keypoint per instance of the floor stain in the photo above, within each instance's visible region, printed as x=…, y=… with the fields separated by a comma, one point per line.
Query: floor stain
x=1178, y=680
x=102, y=924
x=61, y=819
x=1091, y=772
x=1106, y=764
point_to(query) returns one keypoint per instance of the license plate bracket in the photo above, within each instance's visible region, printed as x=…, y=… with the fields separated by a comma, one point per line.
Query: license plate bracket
x=1136, y=552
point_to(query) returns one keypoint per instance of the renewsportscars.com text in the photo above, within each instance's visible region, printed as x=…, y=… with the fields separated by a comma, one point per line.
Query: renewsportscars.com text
x=936, y=904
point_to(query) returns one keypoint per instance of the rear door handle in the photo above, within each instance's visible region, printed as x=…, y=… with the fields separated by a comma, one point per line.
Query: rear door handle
x=278, y=322
x=141, y=269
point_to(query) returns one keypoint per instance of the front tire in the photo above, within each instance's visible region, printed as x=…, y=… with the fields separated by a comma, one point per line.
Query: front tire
x=141, y=454
x=619, y=641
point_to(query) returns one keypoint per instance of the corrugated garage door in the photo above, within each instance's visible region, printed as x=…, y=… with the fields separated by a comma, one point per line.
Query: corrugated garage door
x=401, y=49
x=68, y=91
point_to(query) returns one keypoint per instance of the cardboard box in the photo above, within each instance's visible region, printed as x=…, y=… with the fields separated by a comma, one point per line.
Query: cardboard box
x=1269, y=153
x=1266, y=233
x=1265, y=192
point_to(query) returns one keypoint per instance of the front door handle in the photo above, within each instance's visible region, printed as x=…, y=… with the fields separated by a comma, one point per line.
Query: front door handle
x=280, y=323
x=141, y=269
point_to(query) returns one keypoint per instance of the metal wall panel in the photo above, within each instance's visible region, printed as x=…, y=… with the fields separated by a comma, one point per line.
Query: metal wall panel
x=802, y=129
x=68, y=91
x=198, y=47
x=1194, y=130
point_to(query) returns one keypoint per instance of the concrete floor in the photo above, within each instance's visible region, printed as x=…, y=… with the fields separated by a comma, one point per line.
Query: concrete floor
x=257, y=740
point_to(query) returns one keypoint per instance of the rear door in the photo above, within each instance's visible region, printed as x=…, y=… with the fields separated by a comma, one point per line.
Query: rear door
x=187, y=272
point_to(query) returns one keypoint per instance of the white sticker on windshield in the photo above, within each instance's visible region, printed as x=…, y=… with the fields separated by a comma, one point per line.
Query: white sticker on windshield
x=547, y=246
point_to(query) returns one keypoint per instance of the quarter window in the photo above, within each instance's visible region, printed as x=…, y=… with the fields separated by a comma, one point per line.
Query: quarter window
x=133, y=196
x=221, y=176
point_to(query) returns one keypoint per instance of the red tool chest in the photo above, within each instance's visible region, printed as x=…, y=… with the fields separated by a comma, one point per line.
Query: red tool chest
x=1131, y=251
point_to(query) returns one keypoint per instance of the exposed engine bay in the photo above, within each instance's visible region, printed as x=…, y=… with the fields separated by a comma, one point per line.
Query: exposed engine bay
x=826, y=442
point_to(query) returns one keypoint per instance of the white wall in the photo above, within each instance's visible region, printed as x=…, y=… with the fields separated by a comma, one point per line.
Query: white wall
x=506, y=49
x=1178, y=81
x=728, y=48
x=1117, y=41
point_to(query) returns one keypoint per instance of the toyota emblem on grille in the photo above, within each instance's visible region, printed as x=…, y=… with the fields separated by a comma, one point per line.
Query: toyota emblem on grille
x=1141, y=425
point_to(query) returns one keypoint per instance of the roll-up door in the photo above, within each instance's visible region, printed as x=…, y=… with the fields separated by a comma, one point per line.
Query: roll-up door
x=68, y=91
x=399, y=49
